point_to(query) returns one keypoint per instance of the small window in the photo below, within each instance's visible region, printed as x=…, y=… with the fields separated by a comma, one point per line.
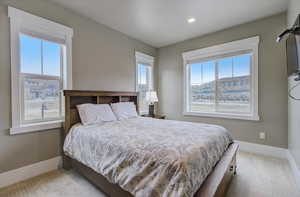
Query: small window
x=144, y=79
x=41, y=69
x=223, y=83
x=144, y=85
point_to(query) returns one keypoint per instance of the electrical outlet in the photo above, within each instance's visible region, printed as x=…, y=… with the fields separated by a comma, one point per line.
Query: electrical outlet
x=262, y=135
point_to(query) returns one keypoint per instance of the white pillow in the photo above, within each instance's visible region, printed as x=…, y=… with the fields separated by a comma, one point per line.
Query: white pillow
x=124, y=110
x=95, y=113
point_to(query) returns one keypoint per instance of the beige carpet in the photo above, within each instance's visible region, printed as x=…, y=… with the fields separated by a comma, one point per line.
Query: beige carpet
x=258, y=176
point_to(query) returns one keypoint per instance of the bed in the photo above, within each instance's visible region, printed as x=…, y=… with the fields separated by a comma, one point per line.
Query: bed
x=144, y=156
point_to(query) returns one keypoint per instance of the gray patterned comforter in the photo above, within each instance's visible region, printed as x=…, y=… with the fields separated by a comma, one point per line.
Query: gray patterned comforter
x=150, y=157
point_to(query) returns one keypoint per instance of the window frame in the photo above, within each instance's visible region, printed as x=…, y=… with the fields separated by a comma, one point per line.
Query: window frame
x=215, y=52
x=25, y=23
x=146, y=60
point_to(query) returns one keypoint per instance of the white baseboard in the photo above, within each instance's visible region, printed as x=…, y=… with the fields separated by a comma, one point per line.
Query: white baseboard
x=26, y=172
x=263, y=149
x=294, y=167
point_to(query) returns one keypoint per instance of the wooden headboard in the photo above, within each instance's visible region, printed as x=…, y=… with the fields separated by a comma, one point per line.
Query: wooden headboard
x=76, y=97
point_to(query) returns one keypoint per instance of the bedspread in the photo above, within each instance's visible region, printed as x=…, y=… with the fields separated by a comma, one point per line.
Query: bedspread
x=150, y=157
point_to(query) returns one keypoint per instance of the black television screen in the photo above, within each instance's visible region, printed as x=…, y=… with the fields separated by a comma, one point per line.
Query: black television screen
x=293, y=54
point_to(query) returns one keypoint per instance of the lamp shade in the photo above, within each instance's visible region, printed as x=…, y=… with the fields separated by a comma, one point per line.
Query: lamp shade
x=151, y=97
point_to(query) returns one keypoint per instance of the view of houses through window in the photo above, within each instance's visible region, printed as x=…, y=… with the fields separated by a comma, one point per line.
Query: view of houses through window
x=221, y=85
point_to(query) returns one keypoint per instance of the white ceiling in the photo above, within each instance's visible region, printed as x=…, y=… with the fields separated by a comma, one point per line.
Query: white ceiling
x=163, y=22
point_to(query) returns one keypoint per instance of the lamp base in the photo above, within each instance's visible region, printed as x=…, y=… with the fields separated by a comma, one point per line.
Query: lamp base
x=151, y=110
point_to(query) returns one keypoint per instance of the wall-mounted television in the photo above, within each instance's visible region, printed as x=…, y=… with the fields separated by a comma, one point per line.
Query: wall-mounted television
x=293, y=51
x=293, y=54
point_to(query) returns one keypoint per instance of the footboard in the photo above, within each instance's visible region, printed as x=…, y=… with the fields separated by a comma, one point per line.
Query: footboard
x=218, y=181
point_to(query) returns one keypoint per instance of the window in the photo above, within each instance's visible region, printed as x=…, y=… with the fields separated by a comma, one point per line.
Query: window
x=41, y=79
x=41, y=69
x=222, y=81
x=144, y=79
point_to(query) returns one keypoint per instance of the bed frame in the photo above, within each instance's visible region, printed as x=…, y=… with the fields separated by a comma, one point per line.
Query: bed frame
x=215, y=185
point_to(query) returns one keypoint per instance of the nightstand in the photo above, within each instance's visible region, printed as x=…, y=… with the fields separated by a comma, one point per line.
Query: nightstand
x=155, y=116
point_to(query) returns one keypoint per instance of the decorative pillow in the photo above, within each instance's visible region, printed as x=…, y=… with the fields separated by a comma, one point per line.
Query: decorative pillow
x=95, y=113
x=124, y=110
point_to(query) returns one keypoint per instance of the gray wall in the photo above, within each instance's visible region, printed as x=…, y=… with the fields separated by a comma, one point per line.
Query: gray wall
x=294, y=106
x=103, y=59
x=272, y=81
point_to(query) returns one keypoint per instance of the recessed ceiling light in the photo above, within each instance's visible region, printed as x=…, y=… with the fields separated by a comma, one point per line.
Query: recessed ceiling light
x=191, y=20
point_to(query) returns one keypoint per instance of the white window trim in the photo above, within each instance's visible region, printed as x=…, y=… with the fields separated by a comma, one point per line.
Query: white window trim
x=219, y=50
x=21, y=21
x=36, y=127
x=142, y=58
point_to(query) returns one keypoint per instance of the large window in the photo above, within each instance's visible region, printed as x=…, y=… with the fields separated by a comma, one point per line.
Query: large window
x=41, y=69
x=41, y=77
x=221, y=81
x=144, y=79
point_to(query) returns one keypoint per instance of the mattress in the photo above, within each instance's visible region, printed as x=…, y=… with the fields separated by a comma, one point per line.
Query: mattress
x=150, y=157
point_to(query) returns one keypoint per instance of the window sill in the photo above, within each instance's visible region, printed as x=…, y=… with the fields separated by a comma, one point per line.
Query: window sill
x=36, y=127
x=223, y=115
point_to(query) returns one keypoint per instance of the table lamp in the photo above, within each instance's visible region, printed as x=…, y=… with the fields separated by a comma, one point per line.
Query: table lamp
x=151, y=98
